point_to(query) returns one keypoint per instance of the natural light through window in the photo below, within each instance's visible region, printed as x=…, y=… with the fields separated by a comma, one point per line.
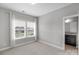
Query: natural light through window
x=23, y=29
x=30, y=29
x=19, y=29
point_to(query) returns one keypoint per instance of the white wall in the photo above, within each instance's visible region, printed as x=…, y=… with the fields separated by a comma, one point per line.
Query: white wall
x=67, y=27
x=51, y=25
x=5, y=39
x=73, y=27
x=4, y=29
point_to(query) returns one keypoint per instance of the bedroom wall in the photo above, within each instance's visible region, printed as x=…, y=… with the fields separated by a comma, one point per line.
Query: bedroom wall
x=5, y=34
x=51, y=25
x=4, y=28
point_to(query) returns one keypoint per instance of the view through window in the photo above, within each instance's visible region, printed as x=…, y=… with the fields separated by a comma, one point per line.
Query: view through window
x=24, y=29
x=30, y=29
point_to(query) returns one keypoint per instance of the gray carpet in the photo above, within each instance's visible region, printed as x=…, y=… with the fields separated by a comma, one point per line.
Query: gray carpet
x=36, y=49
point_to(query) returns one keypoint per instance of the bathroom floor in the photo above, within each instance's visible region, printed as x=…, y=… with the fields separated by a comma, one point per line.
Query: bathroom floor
x=71, y=49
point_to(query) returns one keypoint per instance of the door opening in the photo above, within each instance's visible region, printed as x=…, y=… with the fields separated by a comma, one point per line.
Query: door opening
x=71, y=34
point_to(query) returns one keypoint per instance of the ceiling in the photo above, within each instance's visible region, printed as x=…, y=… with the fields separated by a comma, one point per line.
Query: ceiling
x=38, y=9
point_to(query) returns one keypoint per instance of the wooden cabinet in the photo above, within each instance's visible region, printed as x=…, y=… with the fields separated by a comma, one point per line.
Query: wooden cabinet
x=70, y=40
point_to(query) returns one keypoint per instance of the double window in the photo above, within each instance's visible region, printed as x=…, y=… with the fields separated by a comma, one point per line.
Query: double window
x=24, y=29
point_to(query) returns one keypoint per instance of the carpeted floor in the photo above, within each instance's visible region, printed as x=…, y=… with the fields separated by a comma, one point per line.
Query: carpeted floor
x=37, y=49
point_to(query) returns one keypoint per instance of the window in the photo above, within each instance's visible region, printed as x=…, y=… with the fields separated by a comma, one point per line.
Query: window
x=22, y=29
x=19, y=29
x=30, y=29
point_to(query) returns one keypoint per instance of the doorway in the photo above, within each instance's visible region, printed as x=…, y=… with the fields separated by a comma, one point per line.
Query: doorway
x=71, y=34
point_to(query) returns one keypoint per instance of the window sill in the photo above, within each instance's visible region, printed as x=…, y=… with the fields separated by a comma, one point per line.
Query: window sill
x=29, y=36
x=24, y=37
x=20, y=38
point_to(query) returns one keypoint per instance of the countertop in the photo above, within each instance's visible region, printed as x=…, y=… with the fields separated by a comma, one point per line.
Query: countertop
x=70, y=33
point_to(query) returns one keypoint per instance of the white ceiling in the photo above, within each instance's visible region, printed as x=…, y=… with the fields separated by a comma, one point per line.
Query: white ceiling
x=38, y=9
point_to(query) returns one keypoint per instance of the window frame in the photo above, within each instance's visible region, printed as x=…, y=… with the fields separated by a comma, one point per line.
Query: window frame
x=25, y=31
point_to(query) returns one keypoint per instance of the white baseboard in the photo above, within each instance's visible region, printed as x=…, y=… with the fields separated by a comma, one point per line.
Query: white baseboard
x=50, y=44
x=2, y=49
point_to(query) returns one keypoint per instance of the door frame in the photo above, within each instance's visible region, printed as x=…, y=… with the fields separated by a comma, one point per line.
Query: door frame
x=64, y=29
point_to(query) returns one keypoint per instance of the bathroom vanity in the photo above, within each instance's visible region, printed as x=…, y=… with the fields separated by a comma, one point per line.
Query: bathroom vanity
x=70, y=39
